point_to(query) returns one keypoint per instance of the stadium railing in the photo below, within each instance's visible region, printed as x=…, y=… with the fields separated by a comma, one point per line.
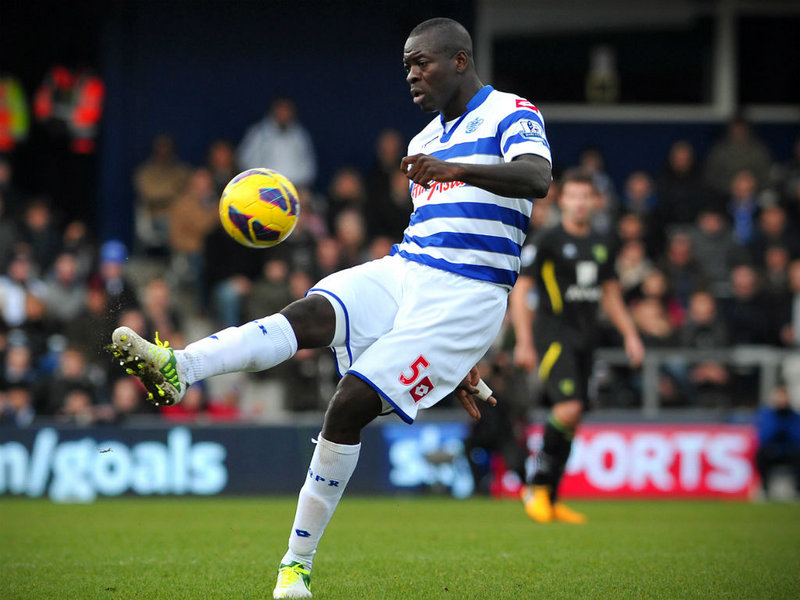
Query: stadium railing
x=768, y=359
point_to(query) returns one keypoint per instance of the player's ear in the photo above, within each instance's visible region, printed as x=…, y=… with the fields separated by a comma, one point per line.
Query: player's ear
x=461, y=61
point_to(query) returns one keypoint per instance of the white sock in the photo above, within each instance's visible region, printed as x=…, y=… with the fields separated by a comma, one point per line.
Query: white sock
x=254, y=346
x=330, y=470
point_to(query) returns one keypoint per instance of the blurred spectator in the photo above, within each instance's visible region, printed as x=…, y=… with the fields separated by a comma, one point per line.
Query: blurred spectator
x=346, y=191
x=654, y=325
x=680, y=185
x=91, y=329
x=281, y=143
x=10, y=195
x=18, y=287
x=221, y=165
x=791, y=203
x=630, y=227
x=778, y=427
x=71, y=374
x=743, y=206
x=789, y=172
x=705, y=330
x=715, y=249
x=193, y=407
x=230, y=269
x=77, y=407
x=160, y=313
x=300, y=247
x=16, y=405
x=135, y=319
x=65, y=296
x=18, y=367
x=120, y=292
x=773, y=230
x=77, y=241
x=158, y=181
x=633, y=266
x=40, y=232
x=127, y=399
x=387, y=188
x=640, y=198
x=776, y=290
x=192, y=217
x=790, y=332
x=656, y=287
x=545, y=210
x=379, y=247
x=683, y=272
x=593, y=161
x=328, y=257
x=745, y=311
x=9, y=235
x=351, y=234
x=738, y=151
x=639, y=195
x=270, y=292
x=652, y=322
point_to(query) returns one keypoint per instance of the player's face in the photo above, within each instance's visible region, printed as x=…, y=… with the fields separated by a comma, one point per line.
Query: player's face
x=431, y=74
x=577, y=200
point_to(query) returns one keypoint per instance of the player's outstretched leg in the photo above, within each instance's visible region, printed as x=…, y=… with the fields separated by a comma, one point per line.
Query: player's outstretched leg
x=354, y=405
x=254, y=346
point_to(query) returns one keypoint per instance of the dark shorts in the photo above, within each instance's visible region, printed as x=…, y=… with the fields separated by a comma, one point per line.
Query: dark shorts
x=563, y=371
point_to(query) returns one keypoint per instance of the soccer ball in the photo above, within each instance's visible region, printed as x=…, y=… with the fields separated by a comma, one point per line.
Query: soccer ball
x=259, y=208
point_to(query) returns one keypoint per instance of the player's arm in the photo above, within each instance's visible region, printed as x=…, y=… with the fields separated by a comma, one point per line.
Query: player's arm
x=616, y=310
x=522, y=317
x=526, y=176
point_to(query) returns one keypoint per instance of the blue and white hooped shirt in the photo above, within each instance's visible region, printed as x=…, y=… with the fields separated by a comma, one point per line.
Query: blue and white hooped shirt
x=465, y=229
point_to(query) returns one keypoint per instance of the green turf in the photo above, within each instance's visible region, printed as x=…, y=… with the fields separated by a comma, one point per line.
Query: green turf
x=399, y=548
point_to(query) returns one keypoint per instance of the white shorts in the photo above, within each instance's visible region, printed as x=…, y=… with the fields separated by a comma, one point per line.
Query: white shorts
x=413, y=332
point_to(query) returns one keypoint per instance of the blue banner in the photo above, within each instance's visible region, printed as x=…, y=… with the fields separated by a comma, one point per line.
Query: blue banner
x=79, y=465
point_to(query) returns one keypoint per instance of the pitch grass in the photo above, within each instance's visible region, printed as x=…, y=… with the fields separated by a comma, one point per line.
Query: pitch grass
x=409, y=549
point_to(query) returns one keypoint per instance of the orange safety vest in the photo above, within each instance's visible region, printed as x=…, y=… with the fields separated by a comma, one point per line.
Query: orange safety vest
x=75, y=99
x=14, y=121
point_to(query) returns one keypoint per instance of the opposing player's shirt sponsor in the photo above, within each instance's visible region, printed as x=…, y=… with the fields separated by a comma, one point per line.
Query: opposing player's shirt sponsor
x=461, y=228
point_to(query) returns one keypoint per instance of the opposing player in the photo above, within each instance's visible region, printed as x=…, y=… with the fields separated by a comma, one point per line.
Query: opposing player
x=405, y=329
x=572, y=271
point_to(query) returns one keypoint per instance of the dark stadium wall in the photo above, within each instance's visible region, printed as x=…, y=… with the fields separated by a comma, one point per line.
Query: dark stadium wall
x=205, y=70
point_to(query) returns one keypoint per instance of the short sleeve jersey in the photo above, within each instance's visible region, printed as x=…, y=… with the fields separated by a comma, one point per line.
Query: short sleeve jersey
x=465, y=229
x=569, y=272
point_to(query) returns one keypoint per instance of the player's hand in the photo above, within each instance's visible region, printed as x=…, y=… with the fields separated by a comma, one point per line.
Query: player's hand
x=466, y=391
x=634, y=349
x=423, y=169
x=525, y=356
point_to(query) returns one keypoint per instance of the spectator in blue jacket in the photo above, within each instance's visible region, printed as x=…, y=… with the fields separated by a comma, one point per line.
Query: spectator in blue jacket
x=778, y=427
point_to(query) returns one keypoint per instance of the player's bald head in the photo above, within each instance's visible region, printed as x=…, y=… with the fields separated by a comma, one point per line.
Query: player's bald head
x=450, y=36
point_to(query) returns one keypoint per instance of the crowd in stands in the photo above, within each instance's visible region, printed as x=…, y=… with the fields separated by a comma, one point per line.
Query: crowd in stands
x=708, y=256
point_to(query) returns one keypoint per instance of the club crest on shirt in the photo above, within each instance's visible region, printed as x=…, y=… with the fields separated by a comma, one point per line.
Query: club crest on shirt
x=473, y=125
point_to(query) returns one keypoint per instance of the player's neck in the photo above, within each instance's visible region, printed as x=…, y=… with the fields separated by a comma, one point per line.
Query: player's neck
x=576, y=228
x=459, y=106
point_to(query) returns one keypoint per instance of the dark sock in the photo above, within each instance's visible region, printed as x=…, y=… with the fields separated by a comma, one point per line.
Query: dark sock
x=553, y=456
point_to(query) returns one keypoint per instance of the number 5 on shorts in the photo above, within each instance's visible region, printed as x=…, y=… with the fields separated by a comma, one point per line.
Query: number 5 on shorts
x=416, y=367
